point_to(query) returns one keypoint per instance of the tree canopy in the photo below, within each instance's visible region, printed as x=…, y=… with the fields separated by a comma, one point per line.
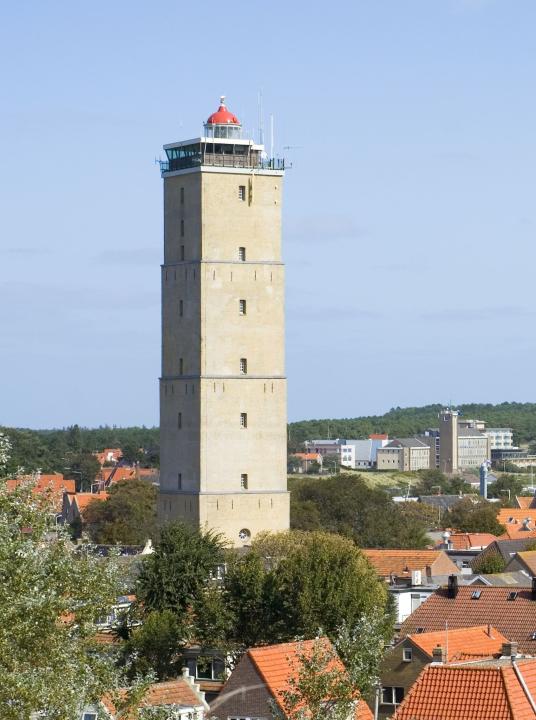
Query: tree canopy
x=345, y=504
x=50, y=599
x=474, y=515
x=127, y=516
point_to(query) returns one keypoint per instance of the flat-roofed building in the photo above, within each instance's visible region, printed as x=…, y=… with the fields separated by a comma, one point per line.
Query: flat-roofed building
x=405, y=454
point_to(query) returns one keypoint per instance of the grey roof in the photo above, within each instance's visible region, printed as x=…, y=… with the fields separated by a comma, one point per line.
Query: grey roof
x=470, y=432
x=406, y=442
x=498, y=579
x=440, y=501
x=508, y=548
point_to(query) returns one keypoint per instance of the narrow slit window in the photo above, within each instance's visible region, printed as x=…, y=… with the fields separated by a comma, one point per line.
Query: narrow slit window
x=243, y=366
x=242, y=307
x=244, y=481
x=242, y=254
x=179, y=421
x=182, y=196
x=182, y=252
x=179, y=481
x=181, y=308
x=181, y=366
x=182, y=228
x=242, y=192
x=243, y=420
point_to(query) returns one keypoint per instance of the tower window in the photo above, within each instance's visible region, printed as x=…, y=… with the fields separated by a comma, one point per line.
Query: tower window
x=243, y=366
x=181, y=366
x=182, y=252
x=182, y=228
x=244, y=481
x=242, y=307
x=179, y=481
x=181, y=307
x=242, y=254
x=179, y=421
x=182, y=196
x=243, y=420
x=241, y=192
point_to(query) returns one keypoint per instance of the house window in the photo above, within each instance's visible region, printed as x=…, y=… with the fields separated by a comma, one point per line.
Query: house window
x=241, y=192
x=181, y=307
x=243, y=366
x=179, y=481
x=181, y=366
x=243, y=420
x=182, y=228
x=244, y=481
x=89, y=716
x=407, y=654
x=392, y=695
x=242, y=254
x=182, y=196
x=179, y=421
x=182, y=252
x=242, y=307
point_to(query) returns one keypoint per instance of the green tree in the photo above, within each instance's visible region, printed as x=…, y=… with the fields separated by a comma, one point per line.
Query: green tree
x=127, y=516
x=50, y=597
x=490, y=565
x=157, y=645
x=83, y=469
x=291, y=584
x=347, y=505
x=175, y=575
x=506, y=488
x=474, y=515
x=132, y=453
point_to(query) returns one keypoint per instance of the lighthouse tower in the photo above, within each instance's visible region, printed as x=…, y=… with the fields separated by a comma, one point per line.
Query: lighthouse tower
x=223, y=386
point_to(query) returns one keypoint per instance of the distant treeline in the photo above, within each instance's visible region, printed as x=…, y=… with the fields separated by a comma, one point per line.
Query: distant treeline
x=405, y=422
x=51, y=450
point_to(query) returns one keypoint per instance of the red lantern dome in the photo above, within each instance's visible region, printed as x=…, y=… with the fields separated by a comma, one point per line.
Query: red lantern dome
x=222, y=116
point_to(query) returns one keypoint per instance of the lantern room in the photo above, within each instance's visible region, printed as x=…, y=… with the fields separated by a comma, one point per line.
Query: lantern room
x=223, y=124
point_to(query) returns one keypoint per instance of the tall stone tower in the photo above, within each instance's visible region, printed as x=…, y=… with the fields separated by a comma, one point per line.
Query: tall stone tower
x=448, y=441
x=223, y=386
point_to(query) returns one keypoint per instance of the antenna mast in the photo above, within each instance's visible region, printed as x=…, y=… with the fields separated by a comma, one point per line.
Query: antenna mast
x=261, y=120
x=271, y=136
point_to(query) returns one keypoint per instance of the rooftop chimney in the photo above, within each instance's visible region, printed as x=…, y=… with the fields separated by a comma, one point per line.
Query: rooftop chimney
x=509, y=649
x=452, y=586
x=438, y=654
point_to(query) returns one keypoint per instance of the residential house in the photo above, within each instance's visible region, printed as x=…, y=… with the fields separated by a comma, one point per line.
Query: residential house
x=499, y=689
x=355, y=454
x=182, y=698
x=405, y=661
x=504, y=549
x=52, y=486
x=75, y=504
x=525, y=561
x=109, y=456
x=463, y=548
x=410, y=574
x=519, y=523
x=404, y=454
x=261, y=680
x=307, y=459
x=511, y=610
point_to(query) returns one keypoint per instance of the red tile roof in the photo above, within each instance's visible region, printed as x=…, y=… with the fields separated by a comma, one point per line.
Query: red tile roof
x=482, y=641
x=490, y=691
x=83, y=499
x=174, y=692
x=509, y=516
x=467, y=541
x=525, y=501
x=53, y=485
x=402, y=562
x=515, y=619
x=276, y=664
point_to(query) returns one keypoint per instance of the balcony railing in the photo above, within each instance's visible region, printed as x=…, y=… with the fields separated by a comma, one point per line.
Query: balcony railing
x=214, y=160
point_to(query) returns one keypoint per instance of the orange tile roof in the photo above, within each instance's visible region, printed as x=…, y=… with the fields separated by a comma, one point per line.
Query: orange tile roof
x=54, y=485
x=467, y=541
x=173, y=692
x=515, y=618
x=465, y=692
x=482, y=641
x=525, y=502
x=509, y=516
x=276, y=664
x=307, y=456
x=83, y=499
x=400, y=562
x=378, y=436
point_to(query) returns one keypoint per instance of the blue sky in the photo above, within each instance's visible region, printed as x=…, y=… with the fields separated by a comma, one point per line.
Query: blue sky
x=409, y=218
